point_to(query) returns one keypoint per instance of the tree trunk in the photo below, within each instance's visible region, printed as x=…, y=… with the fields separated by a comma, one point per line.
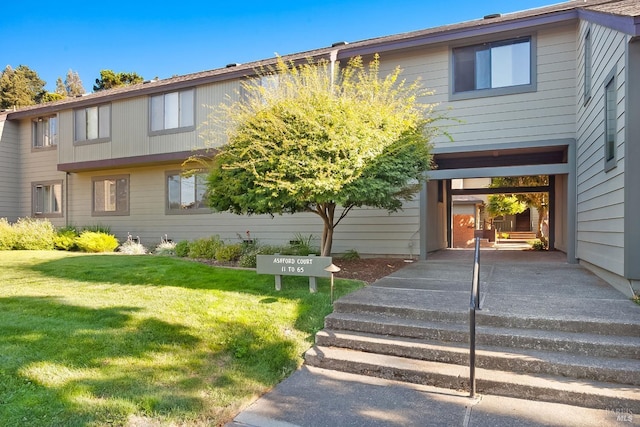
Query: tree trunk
x=326, y=211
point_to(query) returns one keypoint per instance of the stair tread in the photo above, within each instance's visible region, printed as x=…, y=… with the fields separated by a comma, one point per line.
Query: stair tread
x=488, y=351
x=620, y=340
x=379, y=361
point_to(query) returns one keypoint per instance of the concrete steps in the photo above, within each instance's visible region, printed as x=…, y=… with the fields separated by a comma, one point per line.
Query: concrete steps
x=422, y=337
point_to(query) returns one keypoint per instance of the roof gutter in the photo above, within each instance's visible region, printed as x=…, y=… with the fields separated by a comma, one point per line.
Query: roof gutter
x=447, y=36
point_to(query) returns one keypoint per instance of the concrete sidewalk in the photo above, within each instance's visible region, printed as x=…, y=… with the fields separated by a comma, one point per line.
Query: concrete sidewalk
x=522, y=284
x=314, y=397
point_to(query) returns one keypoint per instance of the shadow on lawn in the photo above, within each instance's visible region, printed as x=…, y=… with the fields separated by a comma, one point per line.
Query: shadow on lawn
x=68, y=365
x=169, y=271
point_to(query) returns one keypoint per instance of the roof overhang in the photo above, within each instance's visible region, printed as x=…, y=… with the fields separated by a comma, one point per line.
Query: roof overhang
x=129, y=162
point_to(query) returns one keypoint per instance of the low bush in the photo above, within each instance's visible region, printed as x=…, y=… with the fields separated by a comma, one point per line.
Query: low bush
x=65, y=239
x=33, y=234
x=91, y=241
x=167, y=248
x=205, y=247
x=351, y=254
x=182, y=248
x=229, y=253
x=538, y=245
x=7, y=235
x=131, y=247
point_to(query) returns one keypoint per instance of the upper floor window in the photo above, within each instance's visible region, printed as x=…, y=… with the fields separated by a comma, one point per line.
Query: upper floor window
x=46, y=199
x=93, y=124
x=111, y=195
x=174, y=111
x=610, y=121
x=587, y=66
x=45, y=132
x=494, y=68
x=186, y=193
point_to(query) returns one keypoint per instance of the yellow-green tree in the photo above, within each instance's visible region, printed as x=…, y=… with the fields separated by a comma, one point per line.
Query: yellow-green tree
x=313, y=138
x=539, y=201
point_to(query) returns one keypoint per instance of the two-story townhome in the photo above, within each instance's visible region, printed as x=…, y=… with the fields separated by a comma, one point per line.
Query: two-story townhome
x=550, y=91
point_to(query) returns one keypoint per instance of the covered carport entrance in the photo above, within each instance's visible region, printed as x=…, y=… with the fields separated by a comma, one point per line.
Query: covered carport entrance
x=554, y=158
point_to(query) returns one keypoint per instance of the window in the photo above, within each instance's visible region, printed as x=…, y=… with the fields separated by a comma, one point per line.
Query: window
x=587, y=66
x=47, y=199
x=186, y=193
x=493, y=68
x=610, y=121
x=93, y=124
x=45, y=132
x=172, y=111
x=111, y=195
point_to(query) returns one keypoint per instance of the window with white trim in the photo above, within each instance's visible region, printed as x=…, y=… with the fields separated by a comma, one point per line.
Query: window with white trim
x=92, y=124
x=45, y=132
x=493, y=68
x=111, y=195
x=186, y=194
x=610, y=121
x=47, y=199
x=173, y=111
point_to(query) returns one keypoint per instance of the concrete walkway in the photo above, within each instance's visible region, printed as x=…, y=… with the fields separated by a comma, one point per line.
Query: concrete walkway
x=521, y=283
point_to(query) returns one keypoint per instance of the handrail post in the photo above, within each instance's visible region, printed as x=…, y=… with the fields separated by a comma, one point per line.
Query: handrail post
x=474, y=304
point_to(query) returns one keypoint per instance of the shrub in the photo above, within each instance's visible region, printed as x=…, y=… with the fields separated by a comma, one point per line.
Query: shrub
x=98, y=228
x=205, y=247
x=351, y=254
x=65, y=239
x=131, y=247
x=249, y=259
x=7, y=235
x=302, y=245
x=167, y=248
x=34, y=234
x=538, y=245
x=91, y=241
x=182, y=248
x=227, y=253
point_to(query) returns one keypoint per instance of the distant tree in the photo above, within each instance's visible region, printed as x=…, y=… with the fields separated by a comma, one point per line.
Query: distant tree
x=20, y=87
x=108, y=80
x=314, y=141
x=73, y=84
x=52, y=96
x=539, y=201
x=503, y=204
x=60, y=89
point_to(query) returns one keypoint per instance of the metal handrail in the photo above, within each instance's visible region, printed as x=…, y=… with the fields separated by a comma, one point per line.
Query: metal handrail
x=474, y=305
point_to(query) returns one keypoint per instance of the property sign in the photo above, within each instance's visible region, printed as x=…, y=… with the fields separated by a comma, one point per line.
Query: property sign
x=292, y=265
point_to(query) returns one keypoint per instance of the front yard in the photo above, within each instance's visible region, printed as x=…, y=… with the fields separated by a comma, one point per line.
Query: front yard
x=93, y=340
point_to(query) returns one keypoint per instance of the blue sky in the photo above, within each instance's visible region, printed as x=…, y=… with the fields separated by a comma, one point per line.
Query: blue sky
x=158, y=39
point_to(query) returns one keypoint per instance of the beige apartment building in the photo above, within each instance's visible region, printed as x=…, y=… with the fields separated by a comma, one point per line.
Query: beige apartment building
x=549, y=91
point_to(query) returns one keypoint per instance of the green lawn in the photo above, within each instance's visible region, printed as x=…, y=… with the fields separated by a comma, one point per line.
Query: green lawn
x=94, y=340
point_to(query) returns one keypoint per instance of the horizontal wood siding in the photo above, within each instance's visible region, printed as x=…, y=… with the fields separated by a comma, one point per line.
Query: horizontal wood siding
x=600, y=210
x=130, y=129
x=37, y=166
x=548, y=113
x=10, y=173
x=369, y=231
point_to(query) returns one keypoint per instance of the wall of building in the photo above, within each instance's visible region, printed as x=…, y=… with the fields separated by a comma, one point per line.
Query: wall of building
x=37, y=166
x=10, y=171
x=600, y=193
x=130, y=129
x=546, y=114
x=368, y=231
